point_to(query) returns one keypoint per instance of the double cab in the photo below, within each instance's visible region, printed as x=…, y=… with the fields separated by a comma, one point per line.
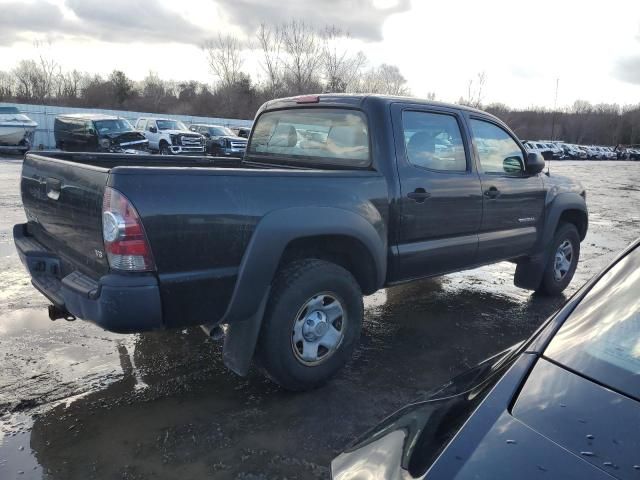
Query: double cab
x=337, y=196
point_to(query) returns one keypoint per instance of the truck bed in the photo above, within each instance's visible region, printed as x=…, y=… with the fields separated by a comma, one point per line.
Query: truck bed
x=199, y=215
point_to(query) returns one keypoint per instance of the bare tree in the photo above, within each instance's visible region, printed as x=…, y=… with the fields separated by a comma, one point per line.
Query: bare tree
x=270, y=42
x=6, y=86
x=224, y=55
x=385, y=79
x=303, y=60
x=341, y=68
x=475, y=89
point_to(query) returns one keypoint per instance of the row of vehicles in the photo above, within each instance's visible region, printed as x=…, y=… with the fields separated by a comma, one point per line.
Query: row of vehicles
x=567, y=151
x=89, y=132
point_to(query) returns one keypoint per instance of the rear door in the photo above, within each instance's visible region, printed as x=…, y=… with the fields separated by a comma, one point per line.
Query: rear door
x=440, y=205
x=513, y=200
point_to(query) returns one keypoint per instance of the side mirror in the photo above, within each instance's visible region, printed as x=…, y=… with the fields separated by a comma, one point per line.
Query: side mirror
x=512, y=165
x=91, y=131
x=153, y=129
x=207, y=134
x=534, y=163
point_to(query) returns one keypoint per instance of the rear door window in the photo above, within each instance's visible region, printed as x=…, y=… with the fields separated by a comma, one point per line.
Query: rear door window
x=314, y=136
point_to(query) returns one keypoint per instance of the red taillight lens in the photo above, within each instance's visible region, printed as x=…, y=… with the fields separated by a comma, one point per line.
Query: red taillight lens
x=124, y=239
x=308, y=99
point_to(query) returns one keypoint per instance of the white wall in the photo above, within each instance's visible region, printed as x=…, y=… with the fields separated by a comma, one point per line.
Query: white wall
x=45, y=115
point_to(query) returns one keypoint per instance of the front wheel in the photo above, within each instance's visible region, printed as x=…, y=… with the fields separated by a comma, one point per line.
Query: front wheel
x=164, y=149
x=312, y=324
x=562, y=261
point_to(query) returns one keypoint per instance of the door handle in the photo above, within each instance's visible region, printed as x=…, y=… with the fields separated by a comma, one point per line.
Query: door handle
x=419, y=195
x=53, y=186
x=492, y=192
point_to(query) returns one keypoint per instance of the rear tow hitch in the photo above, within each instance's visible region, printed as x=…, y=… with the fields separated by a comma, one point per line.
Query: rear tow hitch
x=216, y=332
x=56, y=312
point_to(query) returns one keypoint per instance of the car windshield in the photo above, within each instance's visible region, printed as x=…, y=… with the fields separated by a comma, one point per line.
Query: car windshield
x=221, y=132
x=113, y=126
x=170, y=125
x=312, y=135
x=601, y=338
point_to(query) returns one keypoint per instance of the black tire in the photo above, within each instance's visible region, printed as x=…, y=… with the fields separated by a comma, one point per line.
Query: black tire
x=295, y=285
x=164, y=149
x=551, y=285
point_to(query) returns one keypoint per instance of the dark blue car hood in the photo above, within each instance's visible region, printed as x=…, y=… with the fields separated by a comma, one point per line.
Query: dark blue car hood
x=561, y=426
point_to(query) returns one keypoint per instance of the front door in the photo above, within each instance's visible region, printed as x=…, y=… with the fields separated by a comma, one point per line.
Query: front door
x=153, y=137
x=440, y=205
x=513, y=200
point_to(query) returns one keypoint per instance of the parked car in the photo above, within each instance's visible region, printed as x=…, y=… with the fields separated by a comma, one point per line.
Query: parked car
x=95, y=132
x=220, y=141
x=170, y=137
x=556, y=152
x=564, y=404
x=338, y=196
x=592, y=152
x=531, y=147
x=573, y=152
x=242, y=132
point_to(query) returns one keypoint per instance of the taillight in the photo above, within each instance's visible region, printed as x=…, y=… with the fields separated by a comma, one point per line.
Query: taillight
x=124, y=239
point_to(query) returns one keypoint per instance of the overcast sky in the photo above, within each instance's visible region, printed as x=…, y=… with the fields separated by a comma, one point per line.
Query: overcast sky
x=522, y=46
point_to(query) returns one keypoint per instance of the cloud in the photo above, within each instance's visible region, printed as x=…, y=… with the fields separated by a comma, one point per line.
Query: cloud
x=627, y=69
x=116, y=21
x=21, y=18
x=134, y=20
x=150, y=21
x=361, y=18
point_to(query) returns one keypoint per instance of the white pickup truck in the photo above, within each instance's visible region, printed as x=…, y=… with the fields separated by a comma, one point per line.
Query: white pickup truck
x=170, y=137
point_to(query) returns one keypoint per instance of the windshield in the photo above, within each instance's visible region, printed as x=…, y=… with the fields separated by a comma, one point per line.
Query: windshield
x=112, y=126
x=601, y=338
x=221, y=132
x=314, y=135
x=170, y=125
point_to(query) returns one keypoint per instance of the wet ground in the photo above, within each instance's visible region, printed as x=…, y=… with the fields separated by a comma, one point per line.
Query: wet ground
x=77, y=402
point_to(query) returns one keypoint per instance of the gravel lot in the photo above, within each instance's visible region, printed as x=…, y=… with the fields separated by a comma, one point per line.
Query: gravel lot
x=77, y=402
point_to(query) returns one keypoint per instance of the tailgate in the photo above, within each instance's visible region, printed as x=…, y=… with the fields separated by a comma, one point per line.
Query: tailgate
x=63, y=204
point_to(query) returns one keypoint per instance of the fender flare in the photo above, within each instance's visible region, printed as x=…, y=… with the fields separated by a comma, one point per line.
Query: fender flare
x=262, y=258
x=561, y=203
x=529, y=272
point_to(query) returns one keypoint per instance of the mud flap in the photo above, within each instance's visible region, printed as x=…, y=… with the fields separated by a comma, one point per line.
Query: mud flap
x=529, y=272
x=241, y=339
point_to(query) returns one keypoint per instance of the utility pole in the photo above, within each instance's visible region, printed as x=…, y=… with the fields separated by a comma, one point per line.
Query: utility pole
x=553, y=117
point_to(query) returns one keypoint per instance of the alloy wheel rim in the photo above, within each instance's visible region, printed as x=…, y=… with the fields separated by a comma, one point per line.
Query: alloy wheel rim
x=318, y=329
x=562, y=260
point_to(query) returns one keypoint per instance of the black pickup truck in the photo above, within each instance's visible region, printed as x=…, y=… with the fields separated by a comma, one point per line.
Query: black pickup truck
x=336, y=197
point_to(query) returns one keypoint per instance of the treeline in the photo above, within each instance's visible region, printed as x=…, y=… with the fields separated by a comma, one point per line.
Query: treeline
x=582, y=123
x=295, y=58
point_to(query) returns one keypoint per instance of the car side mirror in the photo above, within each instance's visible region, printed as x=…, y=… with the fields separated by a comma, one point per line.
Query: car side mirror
x=512, y=165
x=207, y=134
x=153, y=129
x=534, y=163
x=91, y=131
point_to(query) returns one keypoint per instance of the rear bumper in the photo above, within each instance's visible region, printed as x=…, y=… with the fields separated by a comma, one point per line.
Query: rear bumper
x=119, y=303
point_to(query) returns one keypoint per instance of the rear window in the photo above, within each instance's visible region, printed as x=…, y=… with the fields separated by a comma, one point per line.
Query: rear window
x=601, y=338
x=327, y=136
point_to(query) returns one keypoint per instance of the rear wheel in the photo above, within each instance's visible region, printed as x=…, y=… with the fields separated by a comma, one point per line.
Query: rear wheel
x=562, y=261
x=312, y=324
